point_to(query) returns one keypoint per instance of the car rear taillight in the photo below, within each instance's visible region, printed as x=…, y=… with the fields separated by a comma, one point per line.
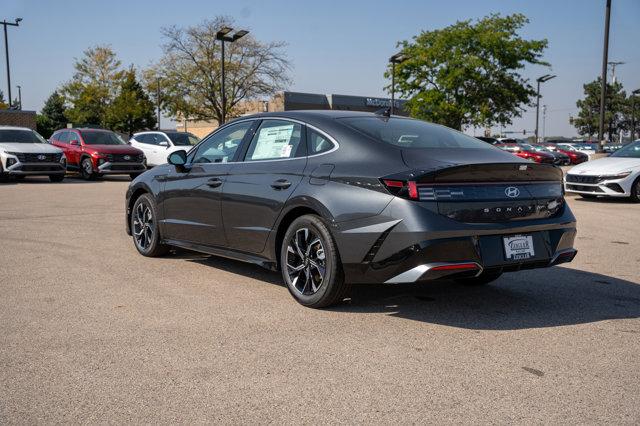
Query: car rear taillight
x=401, y=188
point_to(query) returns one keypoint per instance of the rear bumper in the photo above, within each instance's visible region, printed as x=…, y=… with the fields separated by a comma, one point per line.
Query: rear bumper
x=428, y=246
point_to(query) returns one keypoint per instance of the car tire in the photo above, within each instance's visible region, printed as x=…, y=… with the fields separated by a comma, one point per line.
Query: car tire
x=635, y=191
x=56, y=178
x=310, y=263
x=483, y=279
x=144, y=228
x=86, y=169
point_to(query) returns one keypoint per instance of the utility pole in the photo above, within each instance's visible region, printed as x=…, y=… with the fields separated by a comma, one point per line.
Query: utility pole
x=158, y=101
x=544, y=120
x=603, y=77
x=613, y=70
x=19, y=96
x=6, y=52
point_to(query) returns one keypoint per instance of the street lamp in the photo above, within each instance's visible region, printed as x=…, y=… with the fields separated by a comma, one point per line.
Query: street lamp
x=634, y=93
x=398, y=58
x=603, y=77
x=542, y=79
x=6, y=52
x=19, y=96
x=223, y=35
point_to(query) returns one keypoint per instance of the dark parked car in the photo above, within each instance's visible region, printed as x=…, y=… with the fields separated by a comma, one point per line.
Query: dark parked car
x=337, y=197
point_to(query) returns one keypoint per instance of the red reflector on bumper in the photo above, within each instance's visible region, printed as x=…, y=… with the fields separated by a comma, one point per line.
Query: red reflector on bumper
x=455, y=267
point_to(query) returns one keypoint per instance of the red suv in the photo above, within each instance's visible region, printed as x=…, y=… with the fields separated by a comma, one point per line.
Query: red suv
x=96, y=152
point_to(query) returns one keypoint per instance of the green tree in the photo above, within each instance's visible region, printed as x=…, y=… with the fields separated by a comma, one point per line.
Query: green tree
x=190, y=71
x=617, y=107
x=468, y=74
x=94, y=85
x=131, y=110
x=3, y=103
x=52, y=116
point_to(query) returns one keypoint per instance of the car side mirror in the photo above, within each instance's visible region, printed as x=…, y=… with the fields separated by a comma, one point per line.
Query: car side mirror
x=163, y=143
x=178, y=159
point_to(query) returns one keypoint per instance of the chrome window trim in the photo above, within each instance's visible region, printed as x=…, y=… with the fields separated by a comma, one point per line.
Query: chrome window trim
x=335, y=143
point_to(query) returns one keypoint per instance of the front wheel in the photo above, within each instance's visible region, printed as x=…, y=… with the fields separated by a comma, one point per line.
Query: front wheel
x=144, y=227
x=635, y=191
x=310, y=263
x=86, y=169
x=56, y=178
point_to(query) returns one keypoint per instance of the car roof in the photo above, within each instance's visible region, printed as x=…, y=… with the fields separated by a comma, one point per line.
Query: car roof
x=15, y=128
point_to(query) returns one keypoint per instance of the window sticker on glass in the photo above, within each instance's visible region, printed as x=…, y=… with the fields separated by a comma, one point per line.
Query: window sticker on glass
x=273, y=142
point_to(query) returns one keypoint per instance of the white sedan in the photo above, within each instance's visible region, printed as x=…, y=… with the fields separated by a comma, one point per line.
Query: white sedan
x=615, y=176
x=157, y=145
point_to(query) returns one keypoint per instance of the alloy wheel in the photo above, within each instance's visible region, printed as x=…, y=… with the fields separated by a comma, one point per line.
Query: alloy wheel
x=306, y=262
x=143, y=226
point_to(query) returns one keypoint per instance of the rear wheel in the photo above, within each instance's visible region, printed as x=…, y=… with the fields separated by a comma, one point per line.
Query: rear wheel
x=86, y=169
x=482, y=279
x=56, y=178
x=144, y=228
x=310, y=263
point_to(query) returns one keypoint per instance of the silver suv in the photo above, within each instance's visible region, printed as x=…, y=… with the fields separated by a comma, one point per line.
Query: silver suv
x=23, y=152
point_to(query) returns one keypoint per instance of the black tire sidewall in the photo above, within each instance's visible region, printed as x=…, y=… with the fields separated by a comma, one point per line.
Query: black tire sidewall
x=332, y=261
x=155, y=248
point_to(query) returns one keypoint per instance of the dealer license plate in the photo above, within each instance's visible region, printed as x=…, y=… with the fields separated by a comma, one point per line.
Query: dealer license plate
x=518, y=247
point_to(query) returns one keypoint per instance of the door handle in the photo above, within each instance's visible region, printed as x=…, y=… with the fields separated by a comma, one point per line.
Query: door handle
x=214, y=182
x=281, y=184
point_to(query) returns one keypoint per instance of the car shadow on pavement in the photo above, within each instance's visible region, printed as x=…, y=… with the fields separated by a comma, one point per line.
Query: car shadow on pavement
x=69, y=179
x=539, y=298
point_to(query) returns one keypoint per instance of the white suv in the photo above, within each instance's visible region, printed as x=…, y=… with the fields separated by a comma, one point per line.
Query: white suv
x=23, y=152
x=157, y=145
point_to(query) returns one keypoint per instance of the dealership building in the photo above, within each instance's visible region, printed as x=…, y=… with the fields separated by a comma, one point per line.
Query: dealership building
x=291, y=101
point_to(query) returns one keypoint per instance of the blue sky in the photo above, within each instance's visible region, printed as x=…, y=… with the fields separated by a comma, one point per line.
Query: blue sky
x=334, y=46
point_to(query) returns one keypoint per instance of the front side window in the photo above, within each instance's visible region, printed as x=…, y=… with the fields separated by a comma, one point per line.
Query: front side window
x=221, y=146
x=20, y=136
x=101, y=138
x=62, y=137
x=275, y=139
x=412, y=134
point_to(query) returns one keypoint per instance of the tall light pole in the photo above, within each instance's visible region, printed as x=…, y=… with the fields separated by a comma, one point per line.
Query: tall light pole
x=544, y=120
x=19, y=95
x=223, y=35
x=603, y=77
x=542, y=79
x=634, y=93
x=158, y=100
x=6, y=52
x=395, y=59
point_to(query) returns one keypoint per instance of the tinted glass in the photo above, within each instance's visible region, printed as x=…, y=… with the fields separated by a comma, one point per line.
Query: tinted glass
x=20, y=136
x=63, y=137
x=412, y=134
x=317, y=142
x=72, y=136
x=183, y=139
x=275, y=139
x=630, y=151
x=101, y=138
x=221, y=146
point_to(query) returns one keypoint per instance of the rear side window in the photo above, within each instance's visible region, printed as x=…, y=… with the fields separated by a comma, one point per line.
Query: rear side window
x=275, y=139
x=63, y=137
x=317, y=142
x=412, y=134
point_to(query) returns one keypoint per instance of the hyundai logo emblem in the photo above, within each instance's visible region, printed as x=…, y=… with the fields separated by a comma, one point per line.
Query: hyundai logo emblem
x=512, y=192
x=127, y=157
x=42, y=157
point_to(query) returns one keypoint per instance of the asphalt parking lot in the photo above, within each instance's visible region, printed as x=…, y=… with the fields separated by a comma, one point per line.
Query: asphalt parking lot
x=93, y=332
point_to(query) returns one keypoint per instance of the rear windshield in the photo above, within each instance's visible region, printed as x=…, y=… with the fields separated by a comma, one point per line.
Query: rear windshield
x=20, y=136
x=412, y=134
x=183, y=139
x=102, y=138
